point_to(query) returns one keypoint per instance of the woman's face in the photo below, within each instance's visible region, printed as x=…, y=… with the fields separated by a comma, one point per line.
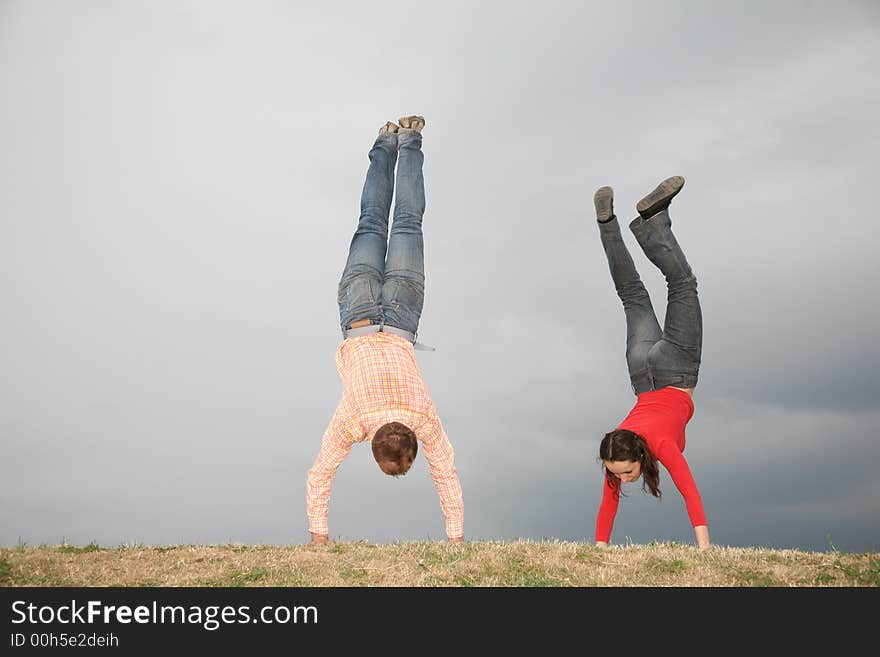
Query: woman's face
x=626, y=471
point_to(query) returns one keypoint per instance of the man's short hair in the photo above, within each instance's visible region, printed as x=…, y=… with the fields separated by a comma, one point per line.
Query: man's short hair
x=395, y=444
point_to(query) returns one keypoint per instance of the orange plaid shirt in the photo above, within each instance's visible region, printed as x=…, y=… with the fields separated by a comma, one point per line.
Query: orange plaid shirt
x=381, y=383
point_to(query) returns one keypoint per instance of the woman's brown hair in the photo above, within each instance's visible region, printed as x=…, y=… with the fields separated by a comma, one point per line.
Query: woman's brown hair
x=625, y=445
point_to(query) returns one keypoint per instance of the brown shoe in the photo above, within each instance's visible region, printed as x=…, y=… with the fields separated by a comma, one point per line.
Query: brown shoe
x=603, y=199
x=660, y=198
x=414, y=123
x=388, y=128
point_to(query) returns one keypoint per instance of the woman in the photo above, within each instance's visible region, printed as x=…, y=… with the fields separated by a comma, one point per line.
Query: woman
x=663, y=365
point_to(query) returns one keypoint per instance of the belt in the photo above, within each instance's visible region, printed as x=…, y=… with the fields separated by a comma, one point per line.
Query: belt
x=384, y=328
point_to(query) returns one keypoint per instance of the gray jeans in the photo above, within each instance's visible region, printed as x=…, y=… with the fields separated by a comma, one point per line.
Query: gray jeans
x=656, y=358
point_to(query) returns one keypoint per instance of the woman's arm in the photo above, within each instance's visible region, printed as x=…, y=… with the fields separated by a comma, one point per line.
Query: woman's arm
x=675, y=463
x=607, y=512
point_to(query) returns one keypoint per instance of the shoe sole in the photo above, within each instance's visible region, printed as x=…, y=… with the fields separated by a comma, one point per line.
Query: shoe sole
x=660, y=197
x=407, y=121
x=603, y=200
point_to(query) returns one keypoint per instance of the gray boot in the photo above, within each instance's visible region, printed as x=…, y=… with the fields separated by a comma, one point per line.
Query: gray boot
x=603, y=199
x=660, y=198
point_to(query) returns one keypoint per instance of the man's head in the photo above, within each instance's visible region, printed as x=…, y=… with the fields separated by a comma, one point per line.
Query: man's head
x=395, y=447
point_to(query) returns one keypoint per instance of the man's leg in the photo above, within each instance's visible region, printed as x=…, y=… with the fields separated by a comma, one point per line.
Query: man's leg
x=404, y=290
x=360, y=288
x=675, y=359
x=642, y=328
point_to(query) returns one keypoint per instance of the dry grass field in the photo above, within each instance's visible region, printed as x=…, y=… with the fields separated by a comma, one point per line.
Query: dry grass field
x=426, y=564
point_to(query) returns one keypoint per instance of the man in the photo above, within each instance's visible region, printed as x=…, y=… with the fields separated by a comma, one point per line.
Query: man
x=384, y=400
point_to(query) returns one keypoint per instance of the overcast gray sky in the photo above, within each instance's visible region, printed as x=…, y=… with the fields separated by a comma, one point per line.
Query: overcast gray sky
x=179, y=182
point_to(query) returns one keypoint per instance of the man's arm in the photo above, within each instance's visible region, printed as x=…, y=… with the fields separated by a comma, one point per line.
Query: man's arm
x=335, y=446
x=441, y=464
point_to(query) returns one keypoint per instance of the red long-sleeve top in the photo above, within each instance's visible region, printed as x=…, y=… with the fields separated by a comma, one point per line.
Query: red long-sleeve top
x=659, y=416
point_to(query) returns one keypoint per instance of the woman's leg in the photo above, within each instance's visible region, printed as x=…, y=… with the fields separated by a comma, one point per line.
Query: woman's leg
x=360, y=288
x=675, y=359
x=404, y=289
x=642, y=328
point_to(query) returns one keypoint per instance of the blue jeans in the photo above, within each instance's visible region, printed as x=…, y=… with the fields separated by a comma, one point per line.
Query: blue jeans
x=656, y=358
x=392, y=288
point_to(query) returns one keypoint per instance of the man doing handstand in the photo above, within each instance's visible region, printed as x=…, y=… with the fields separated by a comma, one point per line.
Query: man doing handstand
x=381, y=294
